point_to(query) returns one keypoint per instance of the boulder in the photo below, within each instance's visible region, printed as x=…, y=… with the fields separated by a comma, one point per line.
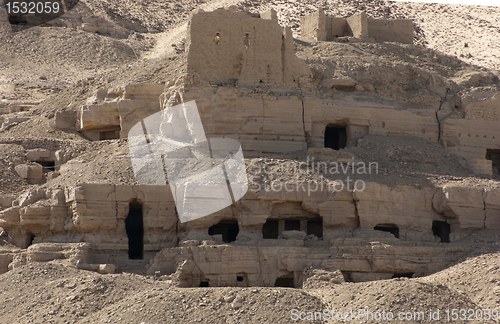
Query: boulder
x=32, y=172
x=338, y=83
x=107, y=268
x=65, y=119
x=293, y=235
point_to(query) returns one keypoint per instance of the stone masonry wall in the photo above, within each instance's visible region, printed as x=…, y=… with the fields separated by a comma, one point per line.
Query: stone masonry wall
x=233, y=47
x=322, y=28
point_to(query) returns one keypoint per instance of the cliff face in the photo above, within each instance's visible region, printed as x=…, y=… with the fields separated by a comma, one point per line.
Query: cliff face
x=423, y=120
x=370, y=144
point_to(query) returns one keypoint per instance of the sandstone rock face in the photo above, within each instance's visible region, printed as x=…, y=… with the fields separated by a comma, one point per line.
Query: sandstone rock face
x=32, y=172
x=293, y=235
x=221, y=265
x=366, y=234
x=249, y=86
x=481, y=167
x=65, y=120
x=481, y=104
x=99, y=116
x=492, y=210
x=94, y=214
x=463, y=206
x=74, y=253
x=37, y=154
x=110, y=113
x=470, y=138
x=258, y=123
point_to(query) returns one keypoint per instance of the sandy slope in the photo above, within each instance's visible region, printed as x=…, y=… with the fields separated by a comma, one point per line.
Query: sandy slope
x=54, y=293
x=444, y=27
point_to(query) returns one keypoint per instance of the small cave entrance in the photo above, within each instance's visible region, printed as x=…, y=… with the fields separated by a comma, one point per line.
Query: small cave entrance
x=442, y=230
x=229, y=230
x=315, y=226
x=347, y=276
x=292, y=225
x=270, y=230
x=494, y=157
x=335, y=137
x=135, y=231
x=17, y=20
x=285, y=281
x=242, y=279
x=204, y=283
x=403, y=275
x=47, y=166
x=109, y=135
x=391, y=228
x=29, y=240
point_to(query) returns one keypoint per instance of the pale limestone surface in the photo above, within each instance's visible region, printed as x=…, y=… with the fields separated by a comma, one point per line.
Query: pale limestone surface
x=96, y=214
x=228, y=55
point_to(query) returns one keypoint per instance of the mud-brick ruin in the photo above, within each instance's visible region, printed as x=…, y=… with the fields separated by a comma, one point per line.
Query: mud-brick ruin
x=250, y=85
x=322, y=28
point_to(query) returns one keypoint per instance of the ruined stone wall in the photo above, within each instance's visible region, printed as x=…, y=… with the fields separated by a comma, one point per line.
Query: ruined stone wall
x=95, y=214
x=274, y=125
x=470, y=138
x=396, y=30
x=322, y=28
x=349, y=241
x=110, y=113
x=358, y=258
x=233, y=47
x=357, y=25
x=314, y=25
x=362, y=118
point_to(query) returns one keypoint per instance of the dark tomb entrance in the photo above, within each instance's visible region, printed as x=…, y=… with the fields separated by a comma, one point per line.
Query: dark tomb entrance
x=286, y=281
x=292, y=225
x=335, y=137
x=391, y=228
x=47, y=166
x=442, y=230
x=135, y=231
x=270, y=230
x=315, y=226
x=494, y=156
x=228, y=229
